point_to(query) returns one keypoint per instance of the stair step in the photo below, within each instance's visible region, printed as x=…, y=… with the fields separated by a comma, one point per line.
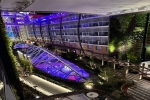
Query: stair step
x=138, y=96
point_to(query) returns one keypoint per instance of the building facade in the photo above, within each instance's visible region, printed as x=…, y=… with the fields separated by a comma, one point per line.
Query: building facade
x=82, y=33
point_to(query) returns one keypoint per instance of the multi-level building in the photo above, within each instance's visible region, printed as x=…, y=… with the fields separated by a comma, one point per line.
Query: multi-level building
x=15, y=25
x=81, y=33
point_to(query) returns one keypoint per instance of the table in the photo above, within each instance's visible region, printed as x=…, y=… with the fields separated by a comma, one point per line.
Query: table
x=92, y=94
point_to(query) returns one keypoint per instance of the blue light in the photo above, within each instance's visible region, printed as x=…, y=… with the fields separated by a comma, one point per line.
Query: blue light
x=53, y=64
x=21, y=45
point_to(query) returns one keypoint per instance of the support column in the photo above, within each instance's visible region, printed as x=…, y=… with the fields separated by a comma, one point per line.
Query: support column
x=49, y=31
x=41, y=33
x=78, y=30
x=18, y=34
x=27, y=36
x=14, y=32
x=33, y=26
x=61, y=31
x=144, y=38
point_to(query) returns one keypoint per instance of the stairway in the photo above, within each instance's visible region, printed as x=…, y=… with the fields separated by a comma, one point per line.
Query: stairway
x=142, y=89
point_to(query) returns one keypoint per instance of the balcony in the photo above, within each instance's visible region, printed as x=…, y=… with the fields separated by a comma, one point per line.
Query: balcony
x=95, y=42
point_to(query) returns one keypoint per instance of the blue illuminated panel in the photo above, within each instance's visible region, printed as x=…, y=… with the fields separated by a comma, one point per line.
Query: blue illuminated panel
x=53, y=64
x=21, y=45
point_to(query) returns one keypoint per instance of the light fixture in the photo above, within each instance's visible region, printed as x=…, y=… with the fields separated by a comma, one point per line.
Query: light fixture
x=129, y=10
x=147, y=8
x=37, y=96
x=88, y=86
x=135, y=10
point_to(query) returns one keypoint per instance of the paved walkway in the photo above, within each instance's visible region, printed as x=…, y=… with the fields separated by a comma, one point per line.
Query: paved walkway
x=44, y=86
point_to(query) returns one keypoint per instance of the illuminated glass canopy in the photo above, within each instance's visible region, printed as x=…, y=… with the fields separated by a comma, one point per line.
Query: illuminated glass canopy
x=20, y=45
x=53, y=64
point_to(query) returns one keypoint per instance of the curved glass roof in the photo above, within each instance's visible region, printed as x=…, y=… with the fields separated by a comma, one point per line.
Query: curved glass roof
x=21, y=45
x=53, y=64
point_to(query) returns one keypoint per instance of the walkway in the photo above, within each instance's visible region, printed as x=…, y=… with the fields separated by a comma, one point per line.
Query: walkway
x=43, y=86
x=142, y=89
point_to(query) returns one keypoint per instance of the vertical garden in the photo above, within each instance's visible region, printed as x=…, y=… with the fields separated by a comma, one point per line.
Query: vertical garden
x=126, y=35
x=10, y=66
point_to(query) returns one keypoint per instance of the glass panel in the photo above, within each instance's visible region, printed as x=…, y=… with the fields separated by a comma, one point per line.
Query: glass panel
x=61, y=74
x=53, y=64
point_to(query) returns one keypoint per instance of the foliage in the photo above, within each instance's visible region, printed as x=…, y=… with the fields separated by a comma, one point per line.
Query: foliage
x=140, y=19
x=125, y=31
x=132, y=56
x=110, y=81
x=8, y=45
x=125, y=21
x=107, y=73
x=125, y=46
x=116, y=94
x=26, y=64
x=111, y=46
x=123, y=56
x=29, y=92
x=114, y=29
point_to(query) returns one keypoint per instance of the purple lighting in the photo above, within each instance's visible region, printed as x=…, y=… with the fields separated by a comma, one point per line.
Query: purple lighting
x=53, y=64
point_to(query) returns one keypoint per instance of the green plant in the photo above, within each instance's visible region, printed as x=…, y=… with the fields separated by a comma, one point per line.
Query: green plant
x=7, y=44
x=126, y=33
x=26, y=64
x=132, y=56
x=29, y=92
